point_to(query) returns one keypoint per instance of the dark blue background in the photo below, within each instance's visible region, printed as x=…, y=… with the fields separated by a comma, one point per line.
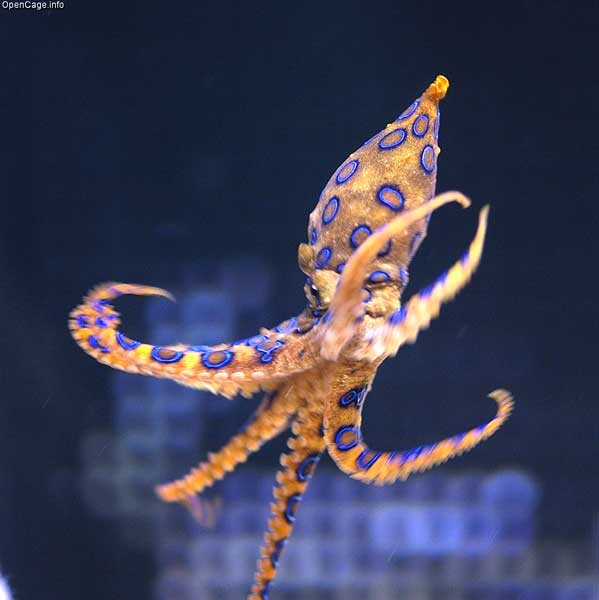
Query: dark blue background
x=141, y=136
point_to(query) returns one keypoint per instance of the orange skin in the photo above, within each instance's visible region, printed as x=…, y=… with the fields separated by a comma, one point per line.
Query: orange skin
x=317, y=368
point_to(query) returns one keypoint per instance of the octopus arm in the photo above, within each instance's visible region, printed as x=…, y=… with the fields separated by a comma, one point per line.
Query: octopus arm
x=227, y=369
x=346, y=306
x=297, y=467
x=270, y=418
x=404, y=325
x=343, y=436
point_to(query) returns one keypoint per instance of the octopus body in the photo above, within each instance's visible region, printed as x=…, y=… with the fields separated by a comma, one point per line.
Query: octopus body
x=316, y=368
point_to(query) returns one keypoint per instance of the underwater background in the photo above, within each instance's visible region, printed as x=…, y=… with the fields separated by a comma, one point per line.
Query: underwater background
x=184, y=147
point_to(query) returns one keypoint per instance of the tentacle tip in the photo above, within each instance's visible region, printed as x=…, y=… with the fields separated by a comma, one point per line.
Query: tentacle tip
x=501, y=395
x=166, y=294
x=464, y=201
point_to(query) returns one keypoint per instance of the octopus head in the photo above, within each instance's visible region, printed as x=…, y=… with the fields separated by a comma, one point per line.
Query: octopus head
x=393, y=171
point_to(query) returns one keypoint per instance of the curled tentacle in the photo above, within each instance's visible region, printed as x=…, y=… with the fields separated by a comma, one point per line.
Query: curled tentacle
x=403, y=325
x=346, y=306
x=226, y=369
x=343, y=434
x=271, y=418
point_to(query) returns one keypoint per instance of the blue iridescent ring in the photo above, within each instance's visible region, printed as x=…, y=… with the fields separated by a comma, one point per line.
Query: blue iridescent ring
x=291, y=507
x=360, y=461
x=304, y=471
x=313, y=237
x=354, y=396
x=392, y=197
x=398, y=316
x=166, y=355
x=227, y=357
x=386, y=249
x=379, y=277
x=427, y=159
x=393, y=139
x=339, y=438
x=409, y=111
x=420, y=126
x=330, y=210
x=125, y=343
x=347, y=171
x=323, y=257
x=82, y=321
x=361, y=231
x=274, y=558
x=286, y=326
x=92, y=340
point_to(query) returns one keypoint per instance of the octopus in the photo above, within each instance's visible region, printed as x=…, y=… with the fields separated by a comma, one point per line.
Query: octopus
x=316, y=368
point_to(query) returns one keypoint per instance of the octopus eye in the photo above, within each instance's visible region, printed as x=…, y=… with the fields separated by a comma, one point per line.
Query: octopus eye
x=314, y=290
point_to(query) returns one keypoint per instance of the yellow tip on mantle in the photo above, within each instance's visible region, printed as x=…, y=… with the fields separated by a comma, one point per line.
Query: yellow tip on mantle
x=437, y=89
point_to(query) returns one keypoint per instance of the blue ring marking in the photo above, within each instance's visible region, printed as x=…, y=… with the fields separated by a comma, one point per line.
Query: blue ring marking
x=200, y=348
x=82, y=321
x=267, y=353
x=291, y=507
x=327, y=317
x=413, y=454
x=387, y=144
x=176, y=356
x=228, y=357
x=396, y=457
x=465, y=257
x=313, y=236
x=290, y=324
x=308, y=463
x=354, y=396
x=92, y=340
x=257, y=339
x=100, y=322
x=351, y=167
x=398, y=201
x=368, y=295
x=339, y=268
x=264, y=592
x=398, y=316
x=360, y=229
x=420, y=119
x=436, y=126
x=276, y=554
x=340, y=445
x=360, y=460
x=331, y=205
x=125, y=343
x=479, y=430
x=98, y=305
x=427, y=291
x=323, y=257
x=427, y=159
x=403, y=276
x=409, y=111
x=413, y=243
x=457, y=439
x=379, y=277
x=385, y=250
